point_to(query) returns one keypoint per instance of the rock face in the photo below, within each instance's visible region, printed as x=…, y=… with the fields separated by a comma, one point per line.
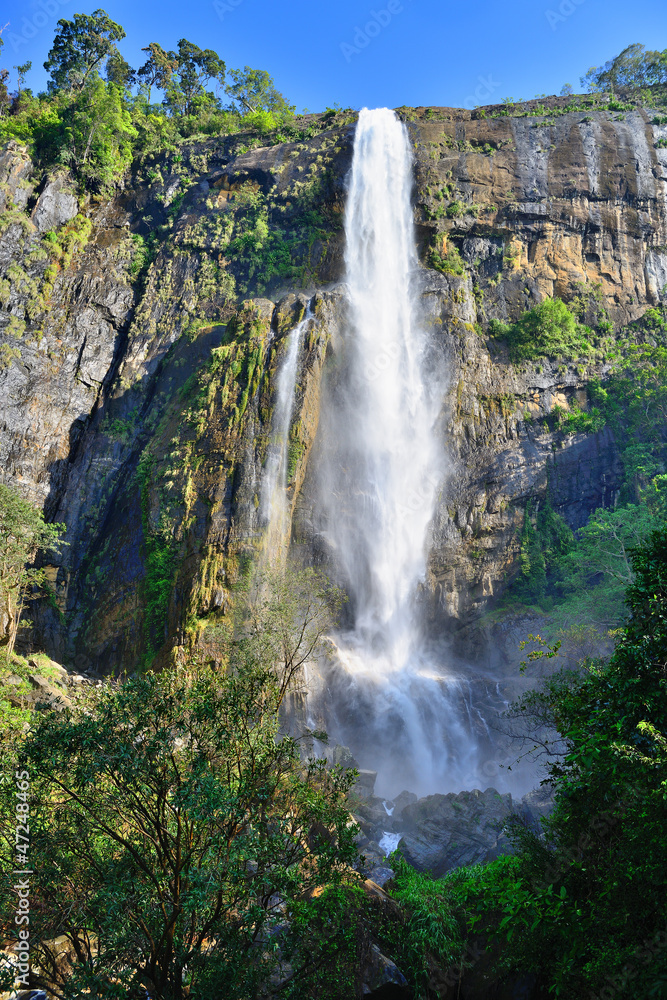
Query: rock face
x=450, y=831
x=137, y=379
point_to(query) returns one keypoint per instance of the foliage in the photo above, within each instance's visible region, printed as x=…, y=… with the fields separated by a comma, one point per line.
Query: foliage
x=547, y=330
x=79, y=48
x=171, y=823
x=633, y=68
x=321, y=945
x=545, y=539
x=97, y=115
x=605, y=854
x=23, y=532
x=192, y=71
x=281, y=620
x=447, y=261
x=254, y=90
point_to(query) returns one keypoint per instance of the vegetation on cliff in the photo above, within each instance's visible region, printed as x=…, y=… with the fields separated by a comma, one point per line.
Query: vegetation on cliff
x=99, y=114
x=23, y=532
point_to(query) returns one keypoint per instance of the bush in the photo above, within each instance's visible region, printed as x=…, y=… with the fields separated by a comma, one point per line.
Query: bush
x=547, y=330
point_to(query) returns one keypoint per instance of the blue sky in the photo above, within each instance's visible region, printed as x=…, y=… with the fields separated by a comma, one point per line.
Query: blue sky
x=356, y=52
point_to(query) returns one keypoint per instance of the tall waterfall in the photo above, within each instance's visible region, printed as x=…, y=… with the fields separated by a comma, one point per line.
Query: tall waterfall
x=382, y=465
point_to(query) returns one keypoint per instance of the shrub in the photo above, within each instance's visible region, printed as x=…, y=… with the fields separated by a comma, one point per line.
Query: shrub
x=547, y=330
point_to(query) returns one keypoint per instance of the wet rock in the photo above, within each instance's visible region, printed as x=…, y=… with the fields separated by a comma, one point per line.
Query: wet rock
x=448, y=831
x=538, y=803
x=402, y=800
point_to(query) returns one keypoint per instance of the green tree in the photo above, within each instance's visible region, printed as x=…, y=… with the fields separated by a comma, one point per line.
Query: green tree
x=80, y=47
x=158, y=69
x=547, y=330
x=173, y=824
x=97, y=134
x=23, y=532
x=633, y=68
x=185, y=91
x=253, y=90
x=119, y=71
x=4, y=76
x=587, y=911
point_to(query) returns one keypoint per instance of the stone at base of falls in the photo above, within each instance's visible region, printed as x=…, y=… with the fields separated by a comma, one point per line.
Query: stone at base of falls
x=382, y=979
x=381, y=875
x=442, y=832
x=365, y=784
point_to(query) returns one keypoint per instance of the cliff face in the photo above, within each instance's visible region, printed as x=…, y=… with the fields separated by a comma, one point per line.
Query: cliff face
x=141, y=337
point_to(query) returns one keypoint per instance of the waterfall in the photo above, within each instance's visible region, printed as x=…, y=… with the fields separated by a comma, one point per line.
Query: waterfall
x=383, y=462
x=273, y=498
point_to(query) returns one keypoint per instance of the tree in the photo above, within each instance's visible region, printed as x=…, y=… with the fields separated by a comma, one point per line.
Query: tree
x=185, y=91
x=173, y=825
x=23, y=532
x=119, y=71
x=282, y=618
x=98, y=134
x=4, y=76
x=22, y=71
x=80, y=48
x=158, y=69
x=254, y=90
x=588, y=906
x=633, y=68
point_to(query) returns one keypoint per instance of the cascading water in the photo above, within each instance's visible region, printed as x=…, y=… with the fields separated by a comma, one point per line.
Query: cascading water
x=382, y=464
x=273, y=498
x=384, y=689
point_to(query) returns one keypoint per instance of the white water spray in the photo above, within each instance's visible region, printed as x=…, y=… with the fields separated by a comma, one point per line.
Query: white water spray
x=383, y=463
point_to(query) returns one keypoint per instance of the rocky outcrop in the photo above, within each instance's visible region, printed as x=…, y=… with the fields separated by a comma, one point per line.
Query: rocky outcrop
x=140, y=339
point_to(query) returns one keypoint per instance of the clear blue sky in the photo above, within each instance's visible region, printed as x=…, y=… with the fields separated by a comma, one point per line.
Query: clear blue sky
x=356, y=52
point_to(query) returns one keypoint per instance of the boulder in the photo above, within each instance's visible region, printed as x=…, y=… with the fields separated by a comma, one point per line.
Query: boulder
x=382, y=979
x=381, y=875
x=402, y=800
x=56, y=205
x=45, y=693
x=15, y=171
x=61, y=675
x=447, y=831
x=537, y=804
x=365, y=784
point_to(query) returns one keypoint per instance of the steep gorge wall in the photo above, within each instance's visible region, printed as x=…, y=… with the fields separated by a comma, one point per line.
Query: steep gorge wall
x=140, y=408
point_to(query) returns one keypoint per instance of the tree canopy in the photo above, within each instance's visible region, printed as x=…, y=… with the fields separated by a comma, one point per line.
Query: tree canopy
x=79, y=49
x=633, y=68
